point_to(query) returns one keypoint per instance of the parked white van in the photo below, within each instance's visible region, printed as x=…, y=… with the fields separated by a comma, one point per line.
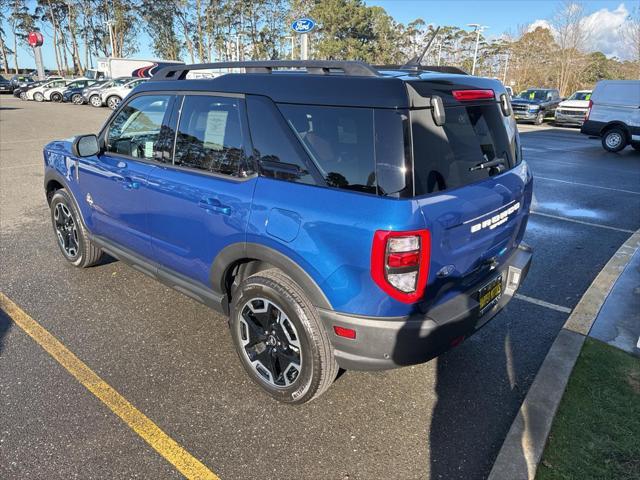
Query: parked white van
x=614, y=114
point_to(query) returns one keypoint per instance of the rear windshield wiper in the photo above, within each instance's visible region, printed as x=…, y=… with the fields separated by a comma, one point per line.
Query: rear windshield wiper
x=496, y=162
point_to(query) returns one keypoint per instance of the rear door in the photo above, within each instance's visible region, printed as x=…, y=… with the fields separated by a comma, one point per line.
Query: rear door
x=200, y=200
x=476, y=215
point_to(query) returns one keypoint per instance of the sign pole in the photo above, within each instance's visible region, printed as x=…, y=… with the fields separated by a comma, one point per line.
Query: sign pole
x=304, y=52
x=37, y=52
x=36, y=39
x=303, y=26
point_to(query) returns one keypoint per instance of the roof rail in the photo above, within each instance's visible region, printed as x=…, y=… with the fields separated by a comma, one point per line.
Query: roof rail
x=424, y=68
x=317, y=67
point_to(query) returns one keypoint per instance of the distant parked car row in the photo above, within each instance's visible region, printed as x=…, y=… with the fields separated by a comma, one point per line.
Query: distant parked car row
x=97, y=93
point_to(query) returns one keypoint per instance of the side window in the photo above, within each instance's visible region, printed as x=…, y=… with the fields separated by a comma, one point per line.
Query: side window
x=340, y=140
x=209, y=136
x=278, y=152
x=135, y=130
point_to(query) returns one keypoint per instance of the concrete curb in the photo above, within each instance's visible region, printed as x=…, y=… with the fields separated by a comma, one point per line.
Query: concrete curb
x=524, y=444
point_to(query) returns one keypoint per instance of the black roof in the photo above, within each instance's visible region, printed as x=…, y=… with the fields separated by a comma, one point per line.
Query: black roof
x=318, y=82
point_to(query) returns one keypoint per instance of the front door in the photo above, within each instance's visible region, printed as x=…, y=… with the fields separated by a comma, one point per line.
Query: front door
x=114, y=184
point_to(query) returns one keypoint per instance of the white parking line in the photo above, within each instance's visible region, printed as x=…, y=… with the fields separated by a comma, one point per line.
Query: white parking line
x=536, y=177
x=542, y=303
x=638, y=344
x=581, y=222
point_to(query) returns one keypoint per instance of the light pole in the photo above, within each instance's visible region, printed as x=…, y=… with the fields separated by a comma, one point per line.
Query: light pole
x=109, y=24
x=478, y=29
x=506, y=66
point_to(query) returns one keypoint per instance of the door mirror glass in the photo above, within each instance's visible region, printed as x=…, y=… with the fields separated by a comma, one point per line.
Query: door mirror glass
x=86, y=146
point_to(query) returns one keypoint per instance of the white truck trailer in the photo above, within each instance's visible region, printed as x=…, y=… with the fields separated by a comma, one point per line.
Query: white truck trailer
x=126, y=67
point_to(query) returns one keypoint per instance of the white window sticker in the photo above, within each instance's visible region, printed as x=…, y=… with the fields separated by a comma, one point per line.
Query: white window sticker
x=148, y=149
x=216, y=125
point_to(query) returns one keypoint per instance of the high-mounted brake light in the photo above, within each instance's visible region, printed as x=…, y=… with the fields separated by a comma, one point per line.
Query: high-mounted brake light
x=400, y=263
x=466, y=95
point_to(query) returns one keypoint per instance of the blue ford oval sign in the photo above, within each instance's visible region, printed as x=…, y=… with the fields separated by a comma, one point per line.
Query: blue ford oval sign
x=303, y=25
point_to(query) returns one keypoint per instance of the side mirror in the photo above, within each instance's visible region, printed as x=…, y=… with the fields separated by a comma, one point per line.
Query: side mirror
x=85, y=146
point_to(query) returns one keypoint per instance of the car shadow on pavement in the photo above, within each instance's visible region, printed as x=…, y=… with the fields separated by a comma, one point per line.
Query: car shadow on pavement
x=10, y=108
x=479, y=391
x=5, y=326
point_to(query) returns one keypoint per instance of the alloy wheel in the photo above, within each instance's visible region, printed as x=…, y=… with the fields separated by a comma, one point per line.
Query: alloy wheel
x=270, y=342
x=95, y=101
x=66, y=230
x=113, y=102
x=77, y=99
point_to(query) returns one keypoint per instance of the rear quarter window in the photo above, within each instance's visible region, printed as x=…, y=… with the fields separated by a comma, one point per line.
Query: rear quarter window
x=360, y=149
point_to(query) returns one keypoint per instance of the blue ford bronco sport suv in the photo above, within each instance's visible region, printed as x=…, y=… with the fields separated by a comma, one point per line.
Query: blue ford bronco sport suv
x=340, y=215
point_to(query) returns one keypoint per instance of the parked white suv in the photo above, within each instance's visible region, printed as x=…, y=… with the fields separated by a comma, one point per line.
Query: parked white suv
x=573, y=110
x=614, y=114
x=111, y=97
x=37, y=93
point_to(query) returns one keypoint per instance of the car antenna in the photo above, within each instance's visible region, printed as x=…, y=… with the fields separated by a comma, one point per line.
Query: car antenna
x=416, y=61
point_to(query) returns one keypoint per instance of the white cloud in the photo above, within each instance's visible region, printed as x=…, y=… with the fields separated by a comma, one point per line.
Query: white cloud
x=604, y=26
x=539, y=23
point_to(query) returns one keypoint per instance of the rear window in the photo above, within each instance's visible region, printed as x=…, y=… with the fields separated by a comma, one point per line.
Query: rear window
x=360, y=149
x=444, y=157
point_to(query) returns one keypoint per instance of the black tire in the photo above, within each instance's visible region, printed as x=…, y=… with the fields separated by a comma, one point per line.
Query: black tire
x=94, y=101
x=614, y=139
x=539, y=120
x=56, y=97
x=317, y=368
x=76, y=99
x=23, y=96
x=85, y=253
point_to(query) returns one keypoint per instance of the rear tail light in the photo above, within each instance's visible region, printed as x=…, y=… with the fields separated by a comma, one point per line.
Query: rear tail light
x=467, y=95
x=588, y=110
x=400, y=263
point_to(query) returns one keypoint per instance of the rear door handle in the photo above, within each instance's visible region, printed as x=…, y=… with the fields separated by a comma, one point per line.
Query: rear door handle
x=129, y=183
x=213, y=205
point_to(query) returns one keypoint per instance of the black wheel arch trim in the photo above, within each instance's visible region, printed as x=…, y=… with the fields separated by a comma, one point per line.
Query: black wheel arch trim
x=239, y=252
x=54, y=176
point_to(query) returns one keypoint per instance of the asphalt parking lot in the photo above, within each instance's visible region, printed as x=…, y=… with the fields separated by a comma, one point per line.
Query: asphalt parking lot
x=173, y=359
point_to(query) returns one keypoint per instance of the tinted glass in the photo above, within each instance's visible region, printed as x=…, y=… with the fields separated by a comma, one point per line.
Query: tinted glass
x=209, y=135
x=580, y=96
x=135, y=130
x=278, y=153
x=535, y=94
x=444, y=156
x=340, y=141
x=392, y=152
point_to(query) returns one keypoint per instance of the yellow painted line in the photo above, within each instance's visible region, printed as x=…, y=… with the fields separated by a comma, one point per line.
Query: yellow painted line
x=162, y=443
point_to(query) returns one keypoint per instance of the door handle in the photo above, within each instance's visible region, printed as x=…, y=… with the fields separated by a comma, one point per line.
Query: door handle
x=212, y=205
x=129, y=183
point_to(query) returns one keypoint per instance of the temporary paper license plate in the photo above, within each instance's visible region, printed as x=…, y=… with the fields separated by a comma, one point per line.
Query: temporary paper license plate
x=490, y=294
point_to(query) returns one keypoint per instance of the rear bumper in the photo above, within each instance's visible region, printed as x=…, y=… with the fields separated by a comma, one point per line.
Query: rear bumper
x=591, y=128
x=384, y=342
